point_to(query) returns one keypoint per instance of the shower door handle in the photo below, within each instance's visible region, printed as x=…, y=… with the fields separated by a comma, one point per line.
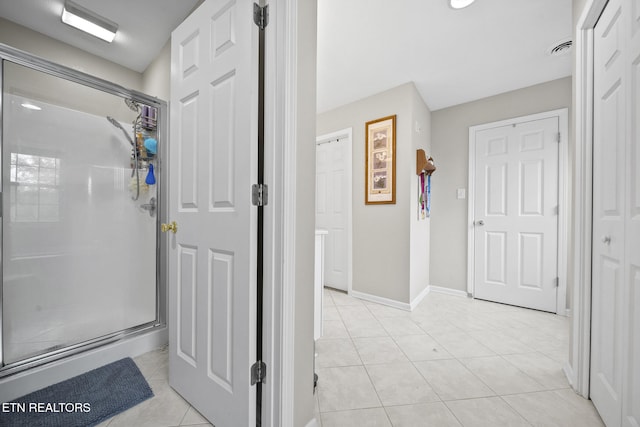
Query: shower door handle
x=173, y=227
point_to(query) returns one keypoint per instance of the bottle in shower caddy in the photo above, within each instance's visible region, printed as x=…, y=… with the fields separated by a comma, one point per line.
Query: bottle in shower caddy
x=142, y=151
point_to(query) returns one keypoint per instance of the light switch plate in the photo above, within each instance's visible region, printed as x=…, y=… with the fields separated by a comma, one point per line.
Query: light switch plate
x=462, y=193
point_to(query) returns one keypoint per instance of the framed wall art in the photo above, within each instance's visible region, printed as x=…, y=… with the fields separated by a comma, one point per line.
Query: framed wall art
x=380, y=158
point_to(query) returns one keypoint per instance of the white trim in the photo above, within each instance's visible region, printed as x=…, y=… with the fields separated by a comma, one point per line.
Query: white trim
x=563, y=199
x=471, y=207
x=583, y=194
x=313, y=423
x=348, y=134
x=449, y=291
x=417, y=300
x=274, y=297
x=564, y=208
x=281, y=109
x=568, y=372
x=381, y=300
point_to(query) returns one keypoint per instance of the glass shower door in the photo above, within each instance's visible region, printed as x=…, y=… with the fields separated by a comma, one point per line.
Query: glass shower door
x=78, y=252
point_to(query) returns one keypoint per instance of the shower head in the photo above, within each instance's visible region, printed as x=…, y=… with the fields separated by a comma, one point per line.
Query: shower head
x=133, y=105
x=119, y=126
x=114, y=122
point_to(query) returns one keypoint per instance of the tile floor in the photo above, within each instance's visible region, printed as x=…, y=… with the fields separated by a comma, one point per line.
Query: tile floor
x=166, y=408
x=453, y=361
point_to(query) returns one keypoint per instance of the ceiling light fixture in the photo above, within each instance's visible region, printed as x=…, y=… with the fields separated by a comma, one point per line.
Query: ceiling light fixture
x=87, y=21
x=460, y=4
x=29, y=106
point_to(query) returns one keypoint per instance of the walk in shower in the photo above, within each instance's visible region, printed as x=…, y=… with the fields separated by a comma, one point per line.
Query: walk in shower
x=81, y=200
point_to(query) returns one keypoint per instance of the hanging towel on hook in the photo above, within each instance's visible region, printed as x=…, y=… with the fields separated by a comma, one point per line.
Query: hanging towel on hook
x=428, y=195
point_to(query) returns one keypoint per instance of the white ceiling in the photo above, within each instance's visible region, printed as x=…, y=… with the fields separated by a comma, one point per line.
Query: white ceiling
x=453, y=56
x=364, y=46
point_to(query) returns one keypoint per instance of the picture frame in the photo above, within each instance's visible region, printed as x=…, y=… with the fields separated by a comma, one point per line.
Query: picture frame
x=380, y=161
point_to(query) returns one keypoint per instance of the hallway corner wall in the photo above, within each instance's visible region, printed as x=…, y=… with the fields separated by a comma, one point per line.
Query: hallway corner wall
x=304, y=350
x=419, y=229
x=382, y=249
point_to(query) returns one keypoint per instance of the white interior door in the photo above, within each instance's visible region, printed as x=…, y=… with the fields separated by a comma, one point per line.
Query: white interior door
x=333, y=199
x=608, y=215
x=212, y=264
x=631, y=381
x=615, y=331
x=516, y=214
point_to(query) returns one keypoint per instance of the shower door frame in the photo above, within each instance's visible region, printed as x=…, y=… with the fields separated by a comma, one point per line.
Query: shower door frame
x=36, y=63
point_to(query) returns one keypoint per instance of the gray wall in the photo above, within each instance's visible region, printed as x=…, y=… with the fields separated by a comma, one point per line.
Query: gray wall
x=156, y=79
x=420, y=230
x=382, y=233
x=38, y=44
x=450, y=143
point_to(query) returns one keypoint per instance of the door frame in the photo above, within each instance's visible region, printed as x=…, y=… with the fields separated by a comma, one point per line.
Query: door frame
x=326, y=138
x=578, y=367
x=563, y=200
x=283, y=102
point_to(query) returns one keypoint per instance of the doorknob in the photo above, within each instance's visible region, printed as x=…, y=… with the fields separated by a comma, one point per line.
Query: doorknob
x=173, y=227
x=606, y=240
x=479, y=222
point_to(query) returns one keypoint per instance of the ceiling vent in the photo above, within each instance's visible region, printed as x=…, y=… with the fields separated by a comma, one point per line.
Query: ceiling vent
x=561, y=48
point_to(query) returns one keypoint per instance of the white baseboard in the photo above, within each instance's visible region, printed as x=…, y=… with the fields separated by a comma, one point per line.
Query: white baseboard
x=404, y=305
x=417, y=300
x=448, y=291
x=381, y=300
x=313, y=423
x=568, y=372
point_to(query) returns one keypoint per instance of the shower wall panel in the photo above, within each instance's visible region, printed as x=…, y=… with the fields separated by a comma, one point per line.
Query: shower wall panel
x=79, y=254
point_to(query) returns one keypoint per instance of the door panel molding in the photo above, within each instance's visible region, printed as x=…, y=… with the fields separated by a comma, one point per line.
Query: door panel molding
x=563, y=200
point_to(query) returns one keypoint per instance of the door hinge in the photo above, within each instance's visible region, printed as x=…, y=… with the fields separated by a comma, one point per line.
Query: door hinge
x=259, y=194
x=258, y=372
x=261, y=15
x=558, y=137
x=557, y=282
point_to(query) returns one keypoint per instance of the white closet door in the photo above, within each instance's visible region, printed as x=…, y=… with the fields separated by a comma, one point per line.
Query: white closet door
x=631, y=381
x=212, y=257
x=608, y=288
x=516, y=214
x=333, y=172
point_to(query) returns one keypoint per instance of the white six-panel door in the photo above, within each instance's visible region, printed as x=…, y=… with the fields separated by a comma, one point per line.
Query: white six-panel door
x=615, y=331
x=631, y=381
x=333, y=182
x=212, y=257
x=516, y=214
x=608, y=215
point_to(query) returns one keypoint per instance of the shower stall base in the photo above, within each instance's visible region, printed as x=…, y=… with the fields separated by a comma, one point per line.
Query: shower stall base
x=21, y=383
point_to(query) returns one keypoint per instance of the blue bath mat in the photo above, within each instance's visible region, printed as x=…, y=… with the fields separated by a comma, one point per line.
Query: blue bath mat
x=85, y=400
